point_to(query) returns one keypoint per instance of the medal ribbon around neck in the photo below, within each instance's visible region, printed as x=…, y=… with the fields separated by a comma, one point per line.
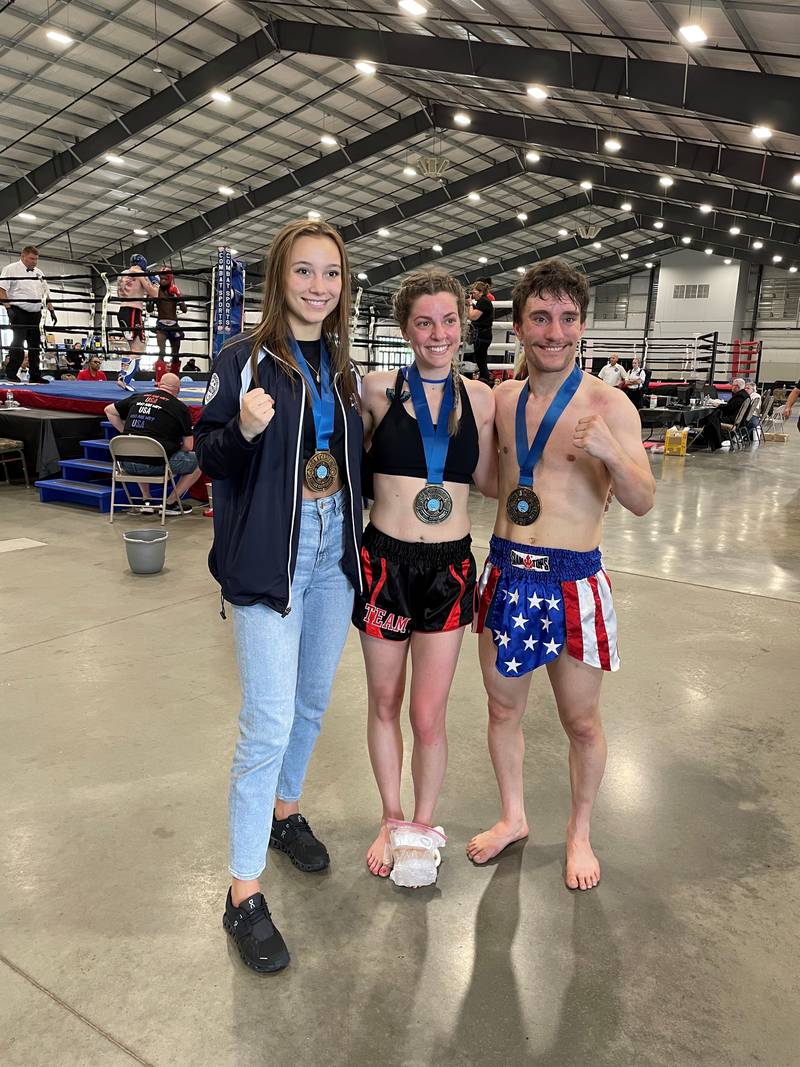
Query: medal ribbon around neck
x=433, y=503
x=528, y=457
x=321, y=469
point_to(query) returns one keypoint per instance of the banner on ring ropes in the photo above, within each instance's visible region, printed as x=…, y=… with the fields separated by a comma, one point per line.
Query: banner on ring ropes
x=228, y=298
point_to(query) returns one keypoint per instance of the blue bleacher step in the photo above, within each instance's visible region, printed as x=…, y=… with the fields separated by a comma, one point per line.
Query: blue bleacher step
x=65, y=491
x=86, y=470
x=96, y=449
x=109, y=430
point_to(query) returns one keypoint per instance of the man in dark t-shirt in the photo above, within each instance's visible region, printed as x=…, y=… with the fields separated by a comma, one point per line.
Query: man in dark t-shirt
x=481, y=315
x=160, y=415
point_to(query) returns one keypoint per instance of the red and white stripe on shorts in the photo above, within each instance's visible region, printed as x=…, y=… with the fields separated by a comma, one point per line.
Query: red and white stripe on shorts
x=591, y=621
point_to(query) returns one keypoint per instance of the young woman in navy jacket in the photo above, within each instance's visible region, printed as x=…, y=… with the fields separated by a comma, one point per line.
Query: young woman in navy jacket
x=281, y=437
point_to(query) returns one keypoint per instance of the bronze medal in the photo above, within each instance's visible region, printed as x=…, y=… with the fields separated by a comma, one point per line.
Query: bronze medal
x=433, y=504
x=321, y=471
x=523, y=506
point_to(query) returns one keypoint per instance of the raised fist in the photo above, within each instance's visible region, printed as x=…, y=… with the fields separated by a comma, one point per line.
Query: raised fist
x=174, y=290
x=256, y=413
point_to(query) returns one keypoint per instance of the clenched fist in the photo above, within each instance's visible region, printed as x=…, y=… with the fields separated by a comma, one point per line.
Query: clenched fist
x=256, y=413
x=594, y=437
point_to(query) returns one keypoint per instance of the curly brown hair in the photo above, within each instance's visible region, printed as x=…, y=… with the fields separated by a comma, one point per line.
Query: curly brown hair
x=555, y=277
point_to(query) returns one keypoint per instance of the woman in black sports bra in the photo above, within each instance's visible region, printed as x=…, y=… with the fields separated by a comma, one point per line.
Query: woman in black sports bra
x=429, y=433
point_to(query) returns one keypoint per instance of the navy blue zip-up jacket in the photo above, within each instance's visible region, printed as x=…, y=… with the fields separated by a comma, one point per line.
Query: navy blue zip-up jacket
x=258, y=485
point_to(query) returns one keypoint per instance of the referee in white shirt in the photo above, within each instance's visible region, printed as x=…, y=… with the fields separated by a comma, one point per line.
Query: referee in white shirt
x=23, y=290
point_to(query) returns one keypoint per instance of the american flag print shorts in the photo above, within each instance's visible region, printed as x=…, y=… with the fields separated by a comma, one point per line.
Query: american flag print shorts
x=538, y=601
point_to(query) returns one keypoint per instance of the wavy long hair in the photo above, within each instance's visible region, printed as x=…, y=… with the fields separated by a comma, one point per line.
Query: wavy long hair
x=428, y=283
x=273, y=329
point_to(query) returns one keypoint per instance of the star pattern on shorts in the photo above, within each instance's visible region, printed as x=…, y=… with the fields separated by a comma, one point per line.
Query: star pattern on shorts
x=552, y=603
x=534, y=602
x=546, y=623
x=512, y=665
x=520, y=622
x=519, y=651
x=551, y=646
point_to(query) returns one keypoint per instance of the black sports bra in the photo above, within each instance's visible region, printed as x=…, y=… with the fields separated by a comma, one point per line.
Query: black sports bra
x=397, y=443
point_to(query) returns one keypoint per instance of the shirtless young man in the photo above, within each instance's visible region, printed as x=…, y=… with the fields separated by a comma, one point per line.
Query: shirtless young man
x=552, y=605
x=134, y=286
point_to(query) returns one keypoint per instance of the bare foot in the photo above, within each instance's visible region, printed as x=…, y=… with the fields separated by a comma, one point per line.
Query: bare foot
x=379, y=854
x=484, y=847
x=583, y=869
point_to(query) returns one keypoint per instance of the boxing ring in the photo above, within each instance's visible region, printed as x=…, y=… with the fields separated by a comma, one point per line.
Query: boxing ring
x=91, y=398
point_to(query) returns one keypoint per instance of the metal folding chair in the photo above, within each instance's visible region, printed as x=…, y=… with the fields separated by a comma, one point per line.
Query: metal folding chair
x=139, y=449
x=11, y=451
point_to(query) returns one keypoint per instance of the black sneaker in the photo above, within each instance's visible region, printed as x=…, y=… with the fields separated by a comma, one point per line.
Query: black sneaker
x=294, y=837
x=258, y=939
x=178, y=509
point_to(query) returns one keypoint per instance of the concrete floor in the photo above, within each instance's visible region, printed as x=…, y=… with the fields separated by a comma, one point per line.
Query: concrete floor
x=118, y=699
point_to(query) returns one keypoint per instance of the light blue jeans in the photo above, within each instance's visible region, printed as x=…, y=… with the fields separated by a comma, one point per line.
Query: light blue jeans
x=286, y=669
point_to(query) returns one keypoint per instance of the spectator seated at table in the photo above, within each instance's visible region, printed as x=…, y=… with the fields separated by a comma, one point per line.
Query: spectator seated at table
x=191, y=367
x=91, y=372
x=160, y=415
x=710, y=435
x=754, y=416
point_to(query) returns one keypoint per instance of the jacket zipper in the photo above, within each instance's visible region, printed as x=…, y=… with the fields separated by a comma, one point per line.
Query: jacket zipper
x=350, y=485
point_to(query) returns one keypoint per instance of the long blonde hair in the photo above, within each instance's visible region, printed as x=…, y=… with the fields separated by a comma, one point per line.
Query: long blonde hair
x=429, y=282
x=273, y=329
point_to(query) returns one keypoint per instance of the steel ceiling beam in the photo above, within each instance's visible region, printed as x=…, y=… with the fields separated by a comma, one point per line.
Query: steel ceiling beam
x=738, y=95
x=594, y=266
x=408, y=209
x=239, y=57
x=188, y=233
x=729, y=164
x=708, y=236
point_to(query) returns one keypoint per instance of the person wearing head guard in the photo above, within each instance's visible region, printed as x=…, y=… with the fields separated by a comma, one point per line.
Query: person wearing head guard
x=134, y=286
x=167, y=304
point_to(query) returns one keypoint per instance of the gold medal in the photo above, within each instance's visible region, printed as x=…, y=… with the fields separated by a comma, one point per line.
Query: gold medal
x=523, y=506
x=322, y=471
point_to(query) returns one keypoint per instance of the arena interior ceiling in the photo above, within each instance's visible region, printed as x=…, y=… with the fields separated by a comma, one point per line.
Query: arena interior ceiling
x=482, y=135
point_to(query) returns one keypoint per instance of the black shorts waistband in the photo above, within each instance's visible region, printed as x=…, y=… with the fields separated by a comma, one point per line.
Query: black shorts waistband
x=423, y=553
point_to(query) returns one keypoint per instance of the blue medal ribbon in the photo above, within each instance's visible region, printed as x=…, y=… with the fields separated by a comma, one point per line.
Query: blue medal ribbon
x=322, y=400
x=435, y=439
x=527, y=458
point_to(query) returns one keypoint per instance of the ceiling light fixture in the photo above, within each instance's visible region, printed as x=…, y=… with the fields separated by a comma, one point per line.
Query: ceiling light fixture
x=383, y=232
x=538, y=92
x=436, y=248
x=328, y=139
x=563, y=233
x=361, y=276
x=706, y=209
x=762, y=133
x=225, y=190
x=586, y=186
x=520, y=270
x=313, y=215
x=709, y=251
x=624, y=255
x=26, y=216
x=693, y=34
x=59, y=37
x=758, y=245
x=141, y=233
x=777, y=259
x=234, y=251
x=796, y=178
x=596, y=244
x=522, y=216
x=793, y=269
x=482, y=259
x=409, y=172
x=118, y=160
x=686, y=240
x=365, y=67
x=658, y=225
x=727, y=262
x=735, y=230
x=612, y=145
x=626, y=206
x=411, y=7
x=461, y=118
x=666, y=181
x=532, y=157
x=649, y=265
x=220, y=97
x=474, y=197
